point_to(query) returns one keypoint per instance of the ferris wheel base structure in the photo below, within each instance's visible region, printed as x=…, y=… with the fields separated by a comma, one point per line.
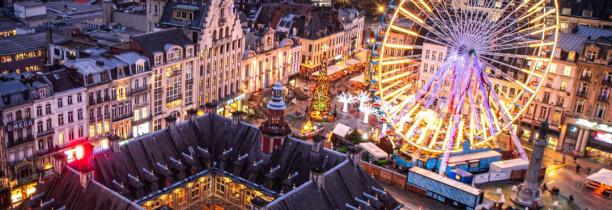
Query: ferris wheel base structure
x=457, y=103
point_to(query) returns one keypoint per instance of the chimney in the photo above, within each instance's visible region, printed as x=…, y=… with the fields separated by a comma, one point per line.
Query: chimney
x=210, y=108
x=107, y=11
x=170, y=122
x=115, y=143
x=258, y=203
x=59, y=162
x=317, y=143
x=193, y=114
x=317, y=176
x=354, y=154
x=237, y=117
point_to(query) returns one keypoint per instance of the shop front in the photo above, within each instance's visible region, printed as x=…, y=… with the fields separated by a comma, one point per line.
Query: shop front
x=527, y=129
x=587, y=139
x=231, y=105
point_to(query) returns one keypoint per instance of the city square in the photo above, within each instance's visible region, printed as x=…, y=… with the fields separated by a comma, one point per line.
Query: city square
x=306, y=104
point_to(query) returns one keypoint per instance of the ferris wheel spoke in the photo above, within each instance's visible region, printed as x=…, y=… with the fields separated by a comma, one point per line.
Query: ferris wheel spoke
x=532, y=73
x=396, y=93
x=418, y=20
x=510, y=79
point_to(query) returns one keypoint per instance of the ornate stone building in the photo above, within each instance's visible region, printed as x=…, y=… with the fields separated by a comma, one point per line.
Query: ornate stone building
x=211, y=162
x=214, y=28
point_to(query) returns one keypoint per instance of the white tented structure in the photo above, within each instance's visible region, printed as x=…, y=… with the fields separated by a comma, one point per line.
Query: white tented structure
x=603, y=176
x=374, y=151
x=509, y=165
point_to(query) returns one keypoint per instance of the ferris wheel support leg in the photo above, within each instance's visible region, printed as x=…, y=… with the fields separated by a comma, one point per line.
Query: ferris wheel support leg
x=516, y=141
x=449, y=145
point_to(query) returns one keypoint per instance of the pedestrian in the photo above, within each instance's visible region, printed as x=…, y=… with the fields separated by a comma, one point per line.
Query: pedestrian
x=571, y=198
x=575, y=158
x=544, y=187
x=563, y=158
x=577, y=168
x=588, y=170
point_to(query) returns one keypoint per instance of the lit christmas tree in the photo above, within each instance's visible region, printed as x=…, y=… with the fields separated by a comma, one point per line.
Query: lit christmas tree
x=320, y=96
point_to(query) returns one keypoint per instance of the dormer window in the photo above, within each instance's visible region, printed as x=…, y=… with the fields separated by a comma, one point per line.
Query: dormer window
x=590, y=55
x=587, y=13
x=571, y=56
x=158, y=59
x=566, y=11
x=183, y=14
x=174, y=54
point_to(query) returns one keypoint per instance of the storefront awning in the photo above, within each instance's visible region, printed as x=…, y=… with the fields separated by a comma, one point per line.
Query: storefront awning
x=603, y=176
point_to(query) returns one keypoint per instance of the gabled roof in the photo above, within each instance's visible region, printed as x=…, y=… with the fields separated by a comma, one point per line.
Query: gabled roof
x=156, y=41
x=150, y=165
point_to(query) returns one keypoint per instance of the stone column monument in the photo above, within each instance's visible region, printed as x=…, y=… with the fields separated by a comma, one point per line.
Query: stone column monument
x=528, y=193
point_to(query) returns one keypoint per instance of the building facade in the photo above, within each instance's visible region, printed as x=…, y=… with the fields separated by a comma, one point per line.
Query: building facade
x=173, y=74
x=268, y=59
x=587, y=130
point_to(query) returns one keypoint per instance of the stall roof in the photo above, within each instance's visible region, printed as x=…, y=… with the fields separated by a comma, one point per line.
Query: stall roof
x=473, y=156
x=358, y=78
x=603, y=176
x=341, y=130
x=445, y=180
x=374, y=150
x=517, y=163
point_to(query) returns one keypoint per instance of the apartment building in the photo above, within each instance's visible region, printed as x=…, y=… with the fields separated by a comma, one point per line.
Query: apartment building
x=173, y=74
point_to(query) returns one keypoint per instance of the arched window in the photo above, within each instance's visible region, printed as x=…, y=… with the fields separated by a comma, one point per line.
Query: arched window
x=220, y=33
x=214, y=36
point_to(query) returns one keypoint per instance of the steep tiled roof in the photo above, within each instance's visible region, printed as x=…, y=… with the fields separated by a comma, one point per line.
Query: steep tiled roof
x=152, y=164
x=155, y=41
x=593, y=33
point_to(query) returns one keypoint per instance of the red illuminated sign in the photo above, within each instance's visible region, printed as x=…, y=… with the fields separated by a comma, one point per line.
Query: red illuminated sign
x=605, y=137
x=76, y=153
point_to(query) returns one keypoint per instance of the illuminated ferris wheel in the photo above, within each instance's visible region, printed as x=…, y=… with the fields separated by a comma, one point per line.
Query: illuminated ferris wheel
x=479, y=64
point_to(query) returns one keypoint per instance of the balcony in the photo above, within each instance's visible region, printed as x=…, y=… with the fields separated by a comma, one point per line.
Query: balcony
x=44, y=133
x=27, y=179
x=122, y=117
x=139, y=89
x=141, y=120
x=603, y=99
x=582, y=94
x=21, y=140
x=606, y=81
x=585, y=77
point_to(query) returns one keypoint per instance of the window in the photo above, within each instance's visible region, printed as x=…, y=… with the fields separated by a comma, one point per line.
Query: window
x=587, y=13
x=70, y=117
x=544, y=113
x=195, y=191
x=560, y=100
x=40, y=126
x=39, y=111
x=81, y=132
x=590, y=55
x=546, y=97
x=567, y=71
x=60, y=119
x=60, y=103
x=80, y=114
x=79, y=98
x=553, y=68
x=563, y=86
x=566, y=11
x=579, y=106
x=426, y=54
x=69, y=100
x=49, y=124
x=425, y=66
x=601, y=111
